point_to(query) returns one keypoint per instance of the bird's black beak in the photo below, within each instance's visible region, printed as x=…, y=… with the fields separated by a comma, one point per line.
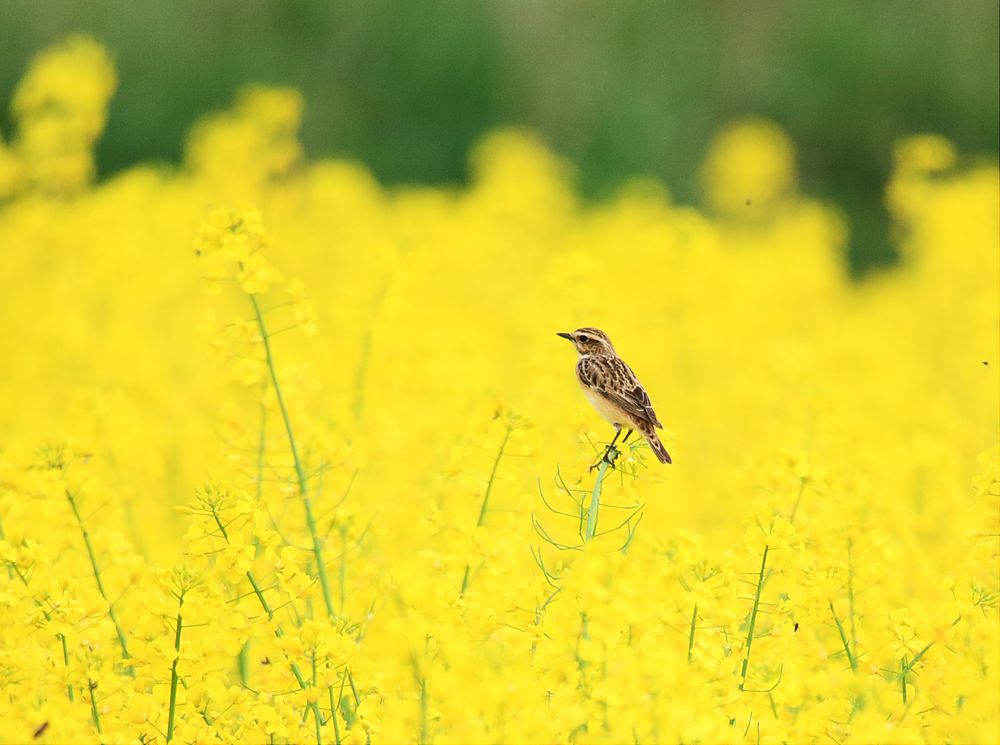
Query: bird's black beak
x=564, y=335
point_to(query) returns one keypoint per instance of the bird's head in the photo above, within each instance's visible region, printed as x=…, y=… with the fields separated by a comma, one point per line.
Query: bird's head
x=589, y=341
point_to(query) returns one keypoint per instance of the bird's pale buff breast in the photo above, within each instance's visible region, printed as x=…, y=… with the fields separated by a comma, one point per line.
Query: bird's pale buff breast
x=605, y=408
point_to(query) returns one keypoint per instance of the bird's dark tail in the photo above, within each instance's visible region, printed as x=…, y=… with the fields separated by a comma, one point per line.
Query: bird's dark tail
x=655, y=445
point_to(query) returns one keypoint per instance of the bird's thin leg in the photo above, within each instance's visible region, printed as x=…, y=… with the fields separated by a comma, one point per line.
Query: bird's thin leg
x=618, y=431
x=627, y=435
x=609, y=448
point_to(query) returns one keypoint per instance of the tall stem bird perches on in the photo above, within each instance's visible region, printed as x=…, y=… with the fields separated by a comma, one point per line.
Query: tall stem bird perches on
x=615, y=391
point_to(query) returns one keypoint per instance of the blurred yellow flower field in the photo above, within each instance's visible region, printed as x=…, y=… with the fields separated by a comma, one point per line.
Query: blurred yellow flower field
x=290, y=457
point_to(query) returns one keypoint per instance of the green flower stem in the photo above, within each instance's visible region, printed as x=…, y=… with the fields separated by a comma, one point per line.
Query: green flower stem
x=595, y=496
x=319, y=731
x=261, y=452
x=905, y=667
x=343, y=567
x=278, y=631
x=354, y=690
x=753, y=618
x=92, y=686
x=173, y=669
x=484, y=507
x=493, y=475
x=244, y=656
x=357, y=702
x=798, y=498
x=902, y=678
x=694, y=622
x=261, y=443
x=843, y=638
x=10, y=569
x=62, y=638
x=850, y=592
x=13, y=569
x=97, y=575
x=243, y=661
x=424, y=729
x=299, y=471
x=333, y=715
x=361, y=375
x=315, y=707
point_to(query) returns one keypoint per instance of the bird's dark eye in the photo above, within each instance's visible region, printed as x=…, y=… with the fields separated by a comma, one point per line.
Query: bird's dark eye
x=583, y=337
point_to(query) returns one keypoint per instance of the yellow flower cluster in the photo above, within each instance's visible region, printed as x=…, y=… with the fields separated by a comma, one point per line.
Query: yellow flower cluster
x=60, y=107
x=355, y=506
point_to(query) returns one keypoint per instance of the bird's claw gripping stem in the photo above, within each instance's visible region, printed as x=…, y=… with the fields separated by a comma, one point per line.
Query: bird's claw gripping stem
x=609, y=455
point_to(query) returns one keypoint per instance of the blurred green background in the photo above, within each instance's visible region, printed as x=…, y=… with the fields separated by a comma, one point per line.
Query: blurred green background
x=620, y=88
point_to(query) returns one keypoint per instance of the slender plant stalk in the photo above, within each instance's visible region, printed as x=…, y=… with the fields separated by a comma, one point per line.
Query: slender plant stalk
x=278, y=631
x=366, y=350
x=694, y=622
x=424, y=732
x=595, y=497
x=357, y=700
x=902, y=678
x=850, y=592
x=316, y=713
x=243, y=662
x=171, y=718
x=493, y=474
x=333, y=715
x=581, y=663
x=798, y=498
x=97, y=575
x=484, y=507
x=843, y=638
x=753, y=618
x=343, y=567
x=62, y=638
x=261, y=442
x=10, y=567
x=13, y=569
x=92, y=686
x=905, y=667
x=345, y=706
x=244, y=656
x=299, y=471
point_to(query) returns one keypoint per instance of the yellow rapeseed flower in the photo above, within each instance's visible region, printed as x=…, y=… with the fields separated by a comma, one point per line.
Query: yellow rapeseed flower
x=357, y=507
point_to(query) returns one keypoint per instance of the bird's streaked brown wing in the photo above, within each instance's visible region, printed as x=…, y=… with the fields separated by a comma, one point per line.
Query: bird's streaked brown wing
x=614, y=380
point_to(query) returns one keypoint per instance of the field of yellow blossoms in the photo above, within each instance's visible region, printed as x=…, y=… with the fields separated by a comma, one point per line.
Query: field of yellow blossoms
x=287, y=456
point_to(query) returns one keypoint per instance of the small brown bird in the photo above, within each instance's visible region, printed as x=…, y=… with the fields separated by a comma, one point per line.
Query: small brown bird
x=614, y=390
